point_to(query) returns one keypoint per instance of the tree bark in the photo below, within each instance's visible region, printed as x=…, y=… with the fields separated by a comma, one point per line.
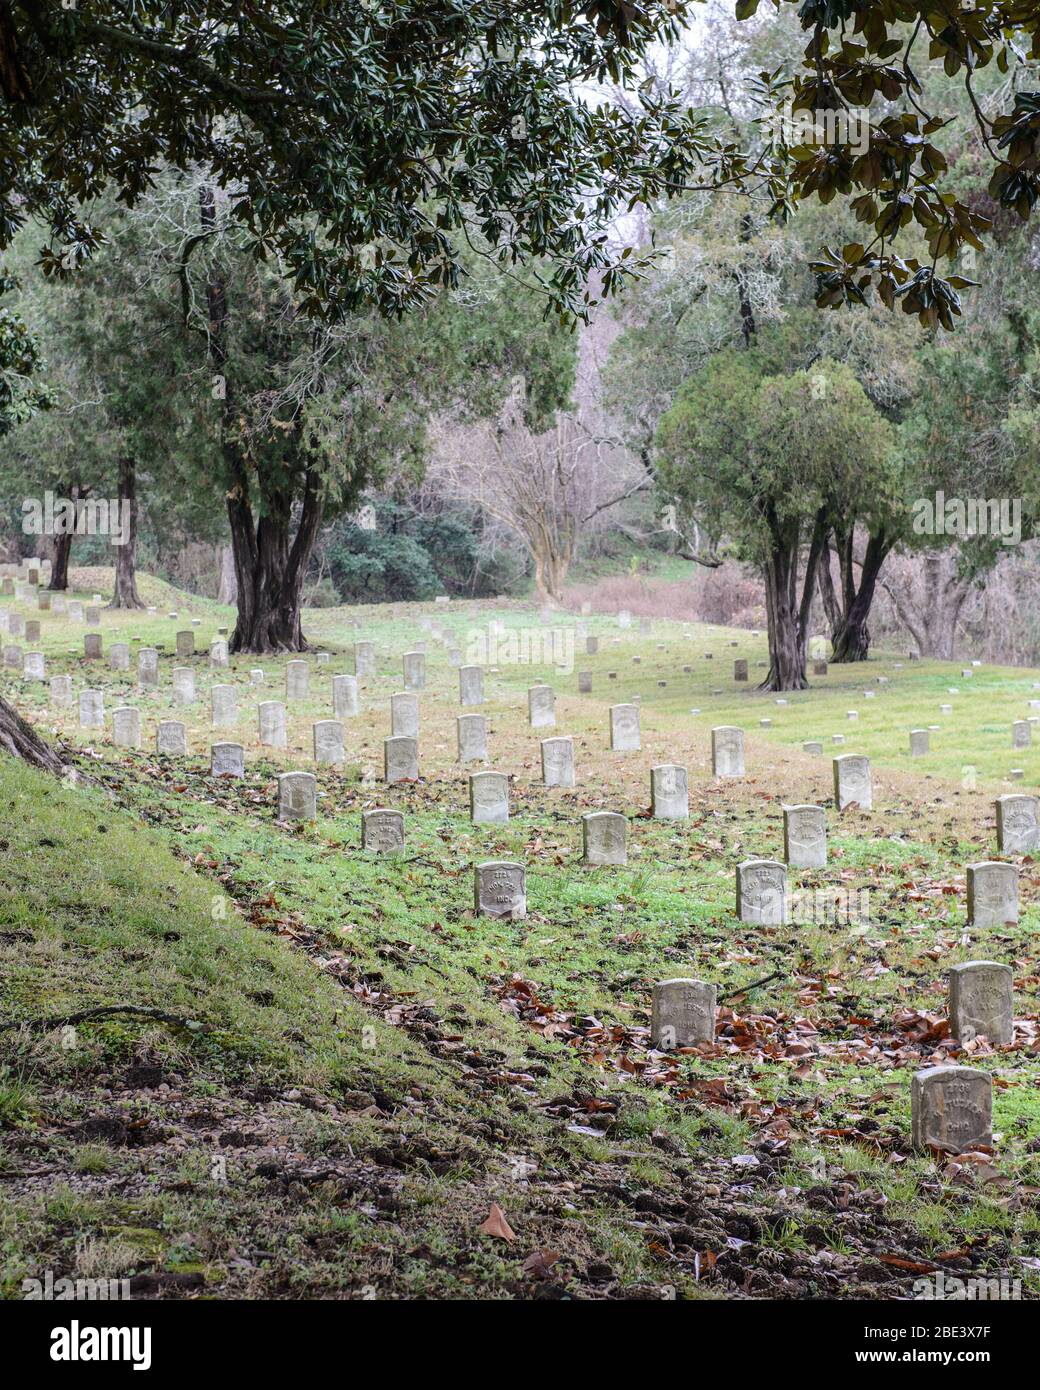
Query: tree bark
x=125, y=593
x=227, y=590
x=270, y=566
x=787, y=614
x=825, y=584
x=60, y=563
x=851, y=641
x=21, y=740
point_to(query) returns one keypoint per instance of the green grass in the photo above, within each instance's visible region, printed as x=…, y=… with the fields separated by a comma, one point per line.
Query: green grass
x=369, y=1066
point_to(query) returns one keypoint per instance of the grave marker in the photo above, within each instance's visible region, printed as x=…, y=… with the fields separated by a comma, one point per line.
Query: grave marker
x=499, y=889
x=951, y=1109
x=488, y=798
x=603, y=836
x=682, y=1014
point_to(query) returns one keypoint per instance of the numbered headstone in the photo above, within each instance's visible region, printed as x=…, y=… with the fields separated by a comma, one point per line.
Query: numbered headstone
x=272, y=724
x=148, y=668
x=34, y=667
x=119, y=656
x=218, y=652
x=328, y=742
x=624, y=728
x=185, y=643
x=297, y=681
x=223, y=706
x=364, y=659
x=404, y=715
x=471, y=685
x=227, y=760
x=740, y=670
x=992, y=894
x=669, y=792
x=499, y=889
x=126, y=727
x=183, y=685
x=172, y=738
x=762, y=891
x=805, y=837
x=400, y=759
x=297, y=796
x=682, y=1014
x=1021, y=734
x=345, y=701
x=1017, y=827
x=951, y=1109
x=981, y=1002
x=61, y=691
x=414, y=665
x=852, y=783
x=541, y=707
x=558, y=762
x=91, y=709
x=382, y=830
x=472, y=738
x=920, y=742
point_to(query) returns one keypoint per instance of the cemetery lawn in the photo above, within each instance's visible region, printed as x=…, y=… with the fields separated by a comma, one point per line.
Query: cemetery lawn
x=352, y=1072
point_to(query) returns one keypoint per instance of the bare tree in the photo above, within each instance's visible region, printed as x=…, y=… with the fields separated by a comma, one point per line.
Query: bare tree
x=548, y=488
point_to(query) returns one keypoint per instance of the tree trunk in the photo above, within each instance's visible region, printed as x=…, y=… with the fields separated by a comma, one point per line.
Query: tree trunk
x=227, y=590
x=125, y=594
x=270, y=569
x=852, y=639
x=21, y=740
x=550, y=575
x=787, y=615
x=60, y=563
x=787, y=639
x=932, y=619
x=829, y=599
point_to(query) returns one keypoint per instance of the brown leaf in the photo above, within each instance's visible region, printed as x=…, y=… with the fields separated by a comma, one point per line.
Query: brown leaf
x=539, y=1263
x=497, y=1225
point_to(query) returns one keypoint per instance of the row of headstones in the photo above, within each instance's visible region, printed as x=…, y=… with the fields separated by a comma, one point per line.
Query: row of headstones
x=761, y=884
x=74, y=609
x=951, y=1106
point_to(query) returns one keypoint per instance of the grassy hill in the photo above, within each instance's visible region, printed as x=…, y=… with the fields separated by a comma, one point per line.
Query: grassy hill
x=356, y=1068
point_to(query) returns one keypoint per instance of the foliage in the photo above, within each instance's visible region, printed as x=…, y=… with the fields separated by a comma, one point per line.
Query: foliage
x=359, y=144
x=752, y=454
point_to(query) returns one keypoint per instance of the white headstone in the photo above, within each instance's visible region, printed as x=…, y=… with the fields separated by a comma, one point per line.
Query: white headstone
x=604, y=838
x=272, y=724
x=488, y=798
x=328, y=742
x=669, y=792
x=762, y=891
x=499, y=889
x=727, y=751
x=227, y=760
